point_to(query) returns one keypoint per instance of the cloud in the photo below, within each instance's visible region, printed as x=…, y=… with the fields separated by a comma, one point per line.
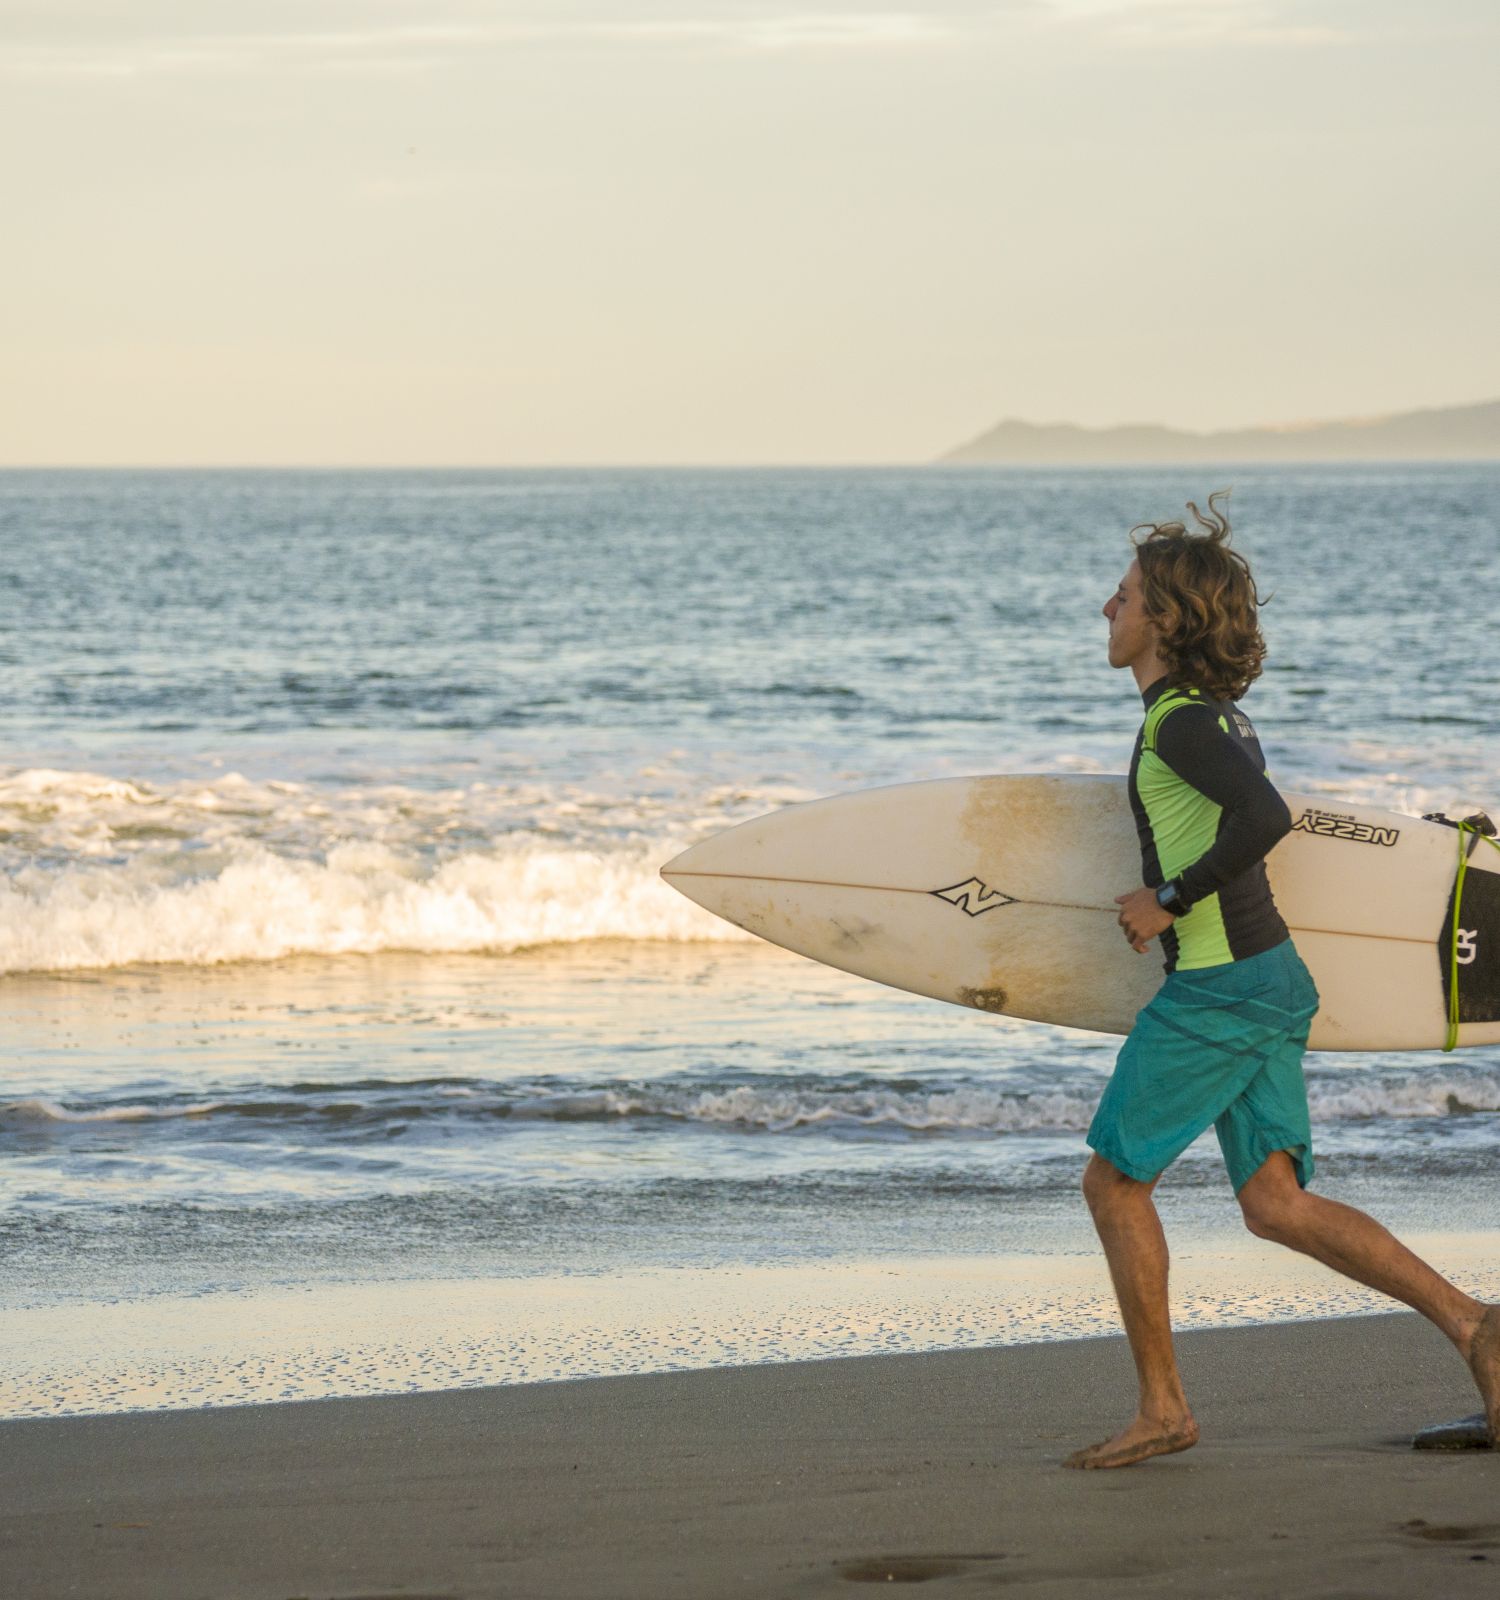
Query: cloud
x=72, y=38
x=385, y=47
x=1198, y=22
x=808, y=30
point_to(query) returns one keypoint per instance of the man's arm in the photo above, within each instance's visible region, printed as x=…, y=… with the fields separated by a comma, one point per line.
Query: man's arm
x=1198, y=750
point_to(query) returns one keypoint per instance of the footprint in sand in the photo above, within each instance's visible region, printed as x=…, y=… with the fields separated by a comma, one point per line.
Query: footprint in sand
x=1477, y=1536
x=911, y=1569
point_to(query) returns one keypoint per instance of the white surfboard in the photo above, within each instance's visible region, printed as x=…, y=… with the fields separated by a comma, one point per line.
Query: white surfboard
x=998, y=892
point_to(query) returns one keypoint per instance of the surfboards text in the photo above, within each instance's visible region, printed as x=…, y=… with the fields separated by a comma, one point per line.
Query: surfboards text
x=1333, y=826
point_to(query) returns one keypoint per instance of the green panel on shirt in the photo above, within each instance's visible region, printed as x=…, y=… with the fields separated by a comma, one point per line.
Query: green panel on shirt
x=1184, y=824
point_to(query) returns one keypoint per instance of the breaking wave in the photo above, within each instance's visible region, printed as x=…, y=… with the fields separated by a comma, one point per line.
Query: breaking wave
x=105, y=872
x=763, y=1106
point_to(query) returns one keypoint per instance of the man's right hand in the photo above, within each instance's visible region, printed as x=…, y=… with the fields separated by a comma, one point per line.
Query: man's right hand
x=1141, y=917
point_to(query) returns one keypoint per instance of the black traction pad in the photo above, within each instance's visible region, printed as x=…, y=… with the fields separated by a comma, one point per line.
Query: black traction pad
x=1478, y=949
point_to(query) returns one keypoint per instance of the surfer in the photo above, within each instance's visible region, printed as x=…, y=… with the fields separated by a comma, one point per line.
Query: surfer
x=1221, y=1042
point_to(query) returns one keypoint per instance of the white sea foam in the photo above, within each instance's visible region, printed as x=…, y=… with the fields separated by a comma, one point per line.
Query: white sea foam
x=363, y=897
x=941, y=1110
x=40, y=1110
x=106, y=871
x=1422, y=1092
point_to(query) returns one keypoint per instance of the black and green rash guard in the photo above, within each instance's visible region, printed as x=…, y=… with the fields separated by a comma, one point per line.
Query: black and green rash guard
x=1206, y=814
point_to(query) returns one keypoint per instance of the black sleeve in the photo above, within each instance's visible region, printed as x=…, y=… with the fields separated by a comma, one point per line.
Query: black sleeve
x=1201, y=753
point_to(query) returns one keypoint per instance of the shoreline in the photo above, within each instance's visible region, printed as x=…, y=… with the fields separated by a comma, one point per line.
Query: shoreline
x=796, y=1478
x=365, y=1339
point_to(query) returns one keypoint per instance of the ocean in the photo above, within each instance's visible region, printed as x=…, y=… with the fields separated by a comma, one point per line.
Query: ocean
x=334, y=956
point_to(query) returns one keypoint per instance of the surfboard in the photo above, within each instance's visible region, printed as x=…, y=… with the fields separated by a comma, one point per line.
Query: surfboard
x=998, y=893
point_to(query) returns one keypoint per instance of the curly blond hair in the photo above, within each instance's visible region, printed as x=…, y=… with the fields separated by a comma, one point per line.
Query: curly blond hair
x=1203, y=600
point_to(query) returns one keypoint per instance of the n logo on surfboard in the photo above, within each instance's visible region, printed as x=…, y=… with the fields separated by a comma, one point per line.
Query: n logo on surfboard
x=974, y=897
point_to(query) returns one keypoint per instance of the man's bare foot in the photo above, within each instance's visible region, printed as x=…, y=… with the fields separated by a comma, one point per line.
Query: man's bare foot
x=1162, y=1437
x=1484, y=1363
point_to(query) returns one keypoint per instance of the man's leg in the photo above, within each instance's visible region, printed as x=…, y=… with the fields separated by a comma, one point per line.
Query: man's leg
x=1276, y=1207
x=1136, y=1249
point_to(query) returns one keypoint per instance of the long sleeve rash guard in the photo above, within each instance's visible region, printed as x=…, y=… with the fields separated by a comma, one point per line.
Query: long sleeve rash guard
x=1206, y=814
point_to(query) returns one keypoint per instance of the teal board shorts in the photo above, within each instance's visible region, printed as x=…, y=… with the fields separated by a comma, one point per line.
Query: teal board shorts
x=1220, y=1045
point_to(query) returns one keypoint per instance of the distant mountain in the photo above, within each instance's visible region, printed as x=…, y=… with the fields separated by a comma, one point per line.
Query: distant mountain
x=1448, y=433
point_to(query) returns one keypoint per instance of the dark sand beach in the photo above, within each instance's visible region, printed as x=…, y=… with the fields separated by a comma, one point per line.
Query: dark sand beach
x=799, y=1478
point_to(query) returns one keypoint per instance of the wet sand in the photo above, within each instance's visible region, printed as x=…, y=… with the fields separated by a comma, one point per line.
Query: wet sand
x=795, y=1478
x=349, y=1340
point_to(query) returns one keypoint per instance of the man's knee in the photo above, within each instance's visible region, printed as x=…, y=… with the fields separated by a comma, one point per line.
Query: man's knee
x=1273, y=1201
x=1105, y=1185
x=1265, y=1219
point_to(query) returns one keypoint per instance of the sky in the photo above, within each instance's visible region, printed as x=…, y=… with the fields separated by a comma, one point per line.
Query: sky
x=602, y=232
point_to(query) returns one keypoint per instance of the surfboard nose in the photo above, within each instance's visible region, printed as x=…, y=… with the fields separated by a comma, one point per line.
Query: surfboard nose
x=682, y=861
x=765, y=846
x=762, y=848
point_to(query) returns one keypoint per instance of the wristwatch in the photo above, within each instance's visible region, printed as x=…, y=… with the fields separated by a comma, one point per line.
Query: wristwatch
x=1169, y=897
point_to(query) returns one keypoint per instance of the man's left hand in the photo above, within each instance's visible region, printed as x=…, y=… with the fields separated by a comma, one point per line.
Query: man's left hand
x=1141, y=917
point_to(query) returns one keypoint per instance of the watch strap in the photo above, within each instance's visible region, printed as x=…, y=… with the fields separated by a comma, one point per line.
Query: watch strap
x=1169, y=897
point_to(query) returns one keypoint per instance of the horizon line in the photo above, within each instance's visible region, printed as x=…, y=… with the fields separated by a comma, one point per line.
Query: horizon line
x=736, y=466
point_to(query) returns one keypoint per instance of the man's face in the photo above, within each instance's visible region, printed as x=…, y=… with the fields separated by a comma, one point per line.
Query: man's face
x=1132, y=634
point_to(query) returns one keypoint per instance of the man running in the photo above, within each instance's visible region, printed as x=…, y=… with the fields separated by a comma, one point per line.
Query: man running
x=1221, y=1043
